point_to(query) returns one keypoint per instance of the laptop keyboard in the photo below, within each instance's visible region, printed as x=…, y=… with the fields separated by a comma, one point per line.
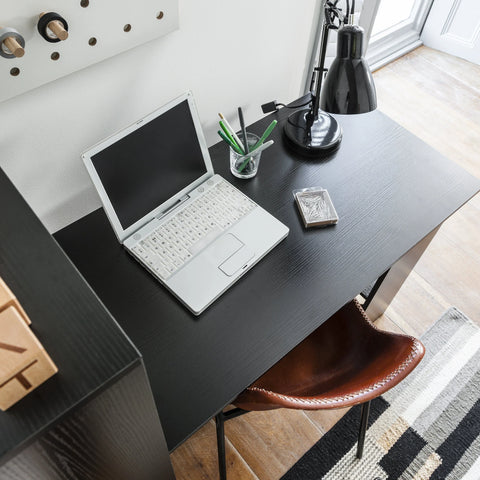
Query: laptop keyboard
x=180, y=238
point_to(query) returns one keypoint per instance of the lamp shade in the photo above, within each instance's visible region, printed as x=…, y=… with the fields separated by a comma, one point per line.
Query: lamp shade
x=348, y=87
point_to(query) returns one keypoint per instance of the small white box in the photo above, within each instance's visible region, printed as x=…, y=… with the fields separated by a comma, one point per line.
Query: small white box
x=315, y=206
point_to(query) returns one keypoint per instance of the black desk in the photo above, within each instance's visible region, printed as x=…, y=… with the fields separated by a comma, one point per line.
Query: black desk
x=391, y=192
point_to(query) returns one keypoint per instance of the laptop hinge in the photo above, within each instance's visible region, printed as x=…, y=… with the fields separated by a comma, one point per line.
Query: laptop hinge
x=179, y=202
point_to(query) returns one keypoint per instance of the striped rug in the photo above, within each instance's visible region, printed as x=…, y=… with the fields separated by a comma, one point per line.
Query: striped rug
x=428, y=427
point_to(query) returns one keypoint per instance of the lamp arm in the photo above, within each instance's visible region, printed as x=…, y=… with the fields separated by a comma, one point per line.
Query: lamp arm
x=331, y=14
x=321, y=66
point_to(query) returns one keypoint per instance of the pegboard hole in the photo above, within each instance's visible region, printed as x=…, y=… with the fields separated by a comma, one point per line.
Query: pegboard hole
x=55, y=56
x=127, y=27
x=15, y=72
x=92, y=41
x=160, y=15
x=84, y=3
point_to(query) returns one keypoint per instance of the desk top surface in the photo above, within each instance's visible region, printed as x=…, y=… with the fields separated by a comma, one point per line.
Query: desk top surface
x=79, y=334
x=389, y=189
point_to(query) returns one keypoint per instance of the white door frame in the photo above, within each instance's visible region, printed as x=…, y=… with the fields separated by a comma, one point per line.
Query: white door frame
x=396, y=41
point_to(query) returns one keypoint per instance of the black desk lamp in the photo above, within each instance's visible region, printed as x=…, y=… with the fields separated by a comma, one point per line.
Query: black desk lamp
x=348, y=87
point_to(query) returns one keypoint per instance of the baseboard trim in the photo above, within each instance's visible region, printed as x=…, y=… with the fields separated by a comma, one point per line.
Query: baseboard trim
x=376, y=65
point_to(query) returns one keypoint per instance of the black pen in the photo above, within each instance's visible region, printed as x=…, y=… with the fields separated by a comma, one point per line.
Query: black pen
x=244, y=130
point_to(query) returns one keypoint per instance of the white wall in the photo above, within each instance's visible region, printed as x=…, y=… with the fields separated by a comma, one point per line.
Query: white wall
x=230, y=54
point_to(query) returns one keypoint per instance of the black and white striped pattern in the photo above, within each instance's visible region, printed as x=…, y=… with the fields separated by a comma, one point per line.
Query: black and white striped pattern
x=428, y=427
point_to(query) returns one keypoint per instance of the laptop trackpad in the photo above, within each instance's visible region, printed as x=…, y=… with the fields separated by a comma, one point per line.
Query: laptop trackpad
x=238, y=260
x=223, y=248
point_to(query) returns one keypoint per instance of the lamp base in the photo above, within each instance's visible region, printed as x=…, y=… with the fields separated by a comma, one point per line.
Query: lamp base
x=311, y=135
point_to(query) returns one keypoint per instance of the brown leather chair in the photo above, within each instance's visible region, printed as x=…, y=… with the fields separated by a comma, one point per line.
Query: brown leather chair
x=345, y=362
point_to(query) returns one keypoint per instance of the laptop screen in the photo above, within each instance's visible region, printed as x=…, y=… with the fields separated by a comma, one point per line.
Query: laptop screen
x=151, y=164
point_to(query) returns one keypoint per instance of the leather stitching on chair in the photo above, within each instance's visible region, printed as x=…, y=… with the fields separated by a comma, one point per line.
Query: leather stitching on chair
x=367, y=319
x=325, y=401
x=414, y=352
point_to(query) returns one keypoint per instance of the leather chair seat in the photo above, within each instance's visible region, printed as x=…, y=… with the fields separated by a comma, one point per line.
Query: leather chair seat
x=346, y=361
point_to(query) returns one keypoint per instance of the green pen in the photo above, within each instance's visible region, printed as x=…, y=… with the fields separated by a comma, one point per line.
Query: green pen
x=229, y=136
x=229, y=143
x=266, y=133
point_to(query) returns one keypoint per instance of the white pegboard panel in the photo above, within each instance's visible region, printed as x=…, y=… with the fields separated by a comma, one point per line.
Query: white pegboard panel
x=104, y=23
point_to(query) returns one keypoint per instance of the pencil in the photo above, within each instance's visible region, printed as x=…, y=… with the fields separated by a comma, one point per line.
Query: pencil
x=229, y=135
x=232, y=132
x=229, y=143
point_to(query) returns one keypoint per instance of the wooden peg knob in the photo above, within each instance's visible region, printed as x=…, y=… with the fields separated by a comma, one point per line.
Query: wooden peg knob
x=57, y=28
x=14, y=47
x=52, y=27
x=12, y=44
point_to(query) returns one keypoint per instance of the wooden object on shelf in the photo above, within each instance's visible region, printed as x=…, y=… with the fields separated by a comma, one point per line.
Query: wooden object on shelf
x=24, y=363
x=7, y=299
x=75, y=422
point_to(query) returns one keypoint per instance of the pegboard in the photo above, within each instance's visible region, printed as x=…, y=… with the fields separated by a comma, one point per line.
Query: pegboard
x=97, y=29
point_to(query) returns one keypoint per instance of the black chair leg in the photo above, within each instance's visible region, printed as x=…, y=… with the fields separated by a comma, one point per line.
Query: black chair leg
x=222, y=466
x=220, y=420
x=363, y=428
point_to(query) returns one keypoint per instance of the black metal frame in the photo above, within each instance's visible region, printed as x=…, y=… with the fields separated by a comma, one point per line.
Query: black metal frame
x=333, y=18
x=363, y=428
x=311, y=131
x=372, y=290
x=222, y=417
x=220, y=420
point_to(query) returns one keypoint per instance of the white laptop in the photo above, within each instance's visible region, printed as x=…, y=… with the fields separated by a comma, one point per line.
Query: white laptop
x=190, y=228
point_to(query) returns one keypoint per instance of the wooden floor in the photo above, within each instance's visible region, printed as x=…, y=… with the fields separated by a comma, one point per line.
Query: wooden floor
x=437, y=97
